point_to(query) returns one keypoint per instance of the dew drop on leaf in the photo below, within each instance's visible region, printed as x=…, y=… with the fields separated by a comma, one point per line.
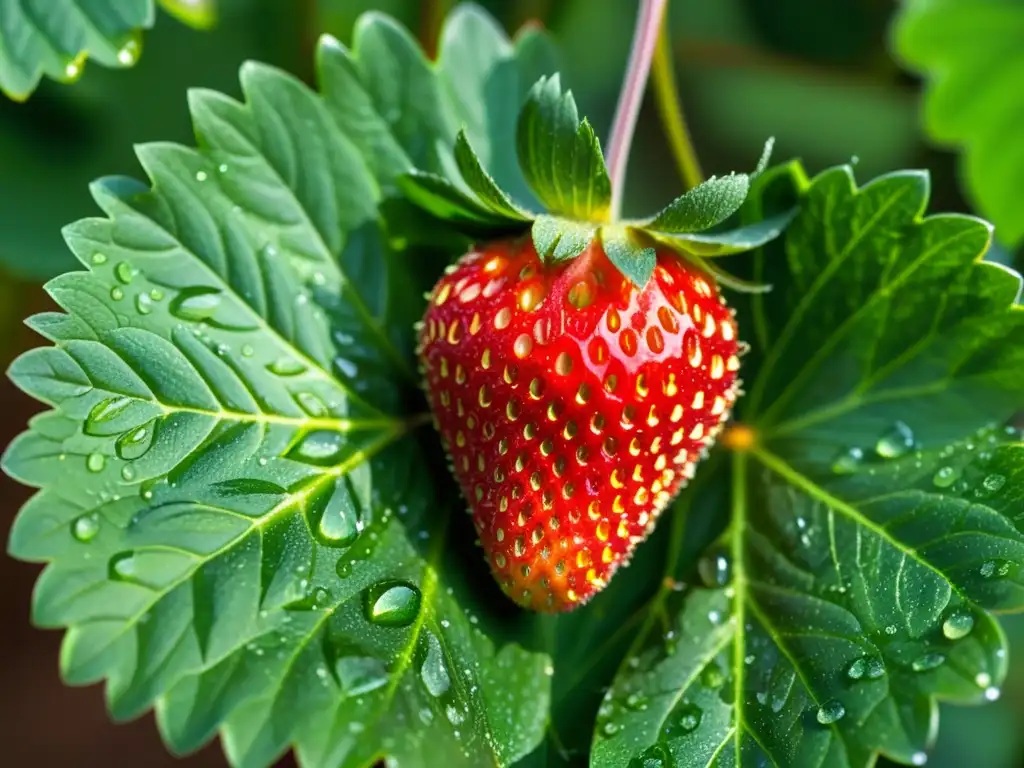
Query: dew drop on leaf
x=122, y=567
x=286, y=366
x=636, y=702
x=455, y=717
x=103, y=412
x=195, y=304
x=116, y=293
x=895, y=442
x=392, y=603
x=124, y=272
x=322, y=448
x=360, y=674
x=944, y=477
x=128, y=472
x=655, y=756
x=927, y=662
x=993, y=483
x=610, y=729
x=143, y=304
x=992, y=693
x=247, y=350
x=433, y=672
x=85, y=528
x=848, y=462
x=712, y=676
x=311, y=404
x=131, y=445
x=95, y=462
x=919, y=758
x=689, y=718
x=128, y=54
x=958, y=624
x=830, y=712
x=715, y=569
x=857, y=668
x=99, y=258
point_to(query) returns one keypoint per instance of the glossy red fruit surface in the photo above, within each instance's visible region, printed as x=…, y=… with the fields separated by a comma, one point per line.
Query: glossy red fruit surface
x=573, y=406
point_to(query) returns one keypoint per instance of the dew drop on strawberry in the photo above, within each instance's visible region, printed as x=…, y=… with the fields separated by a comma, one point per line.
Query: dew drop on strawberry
x=573, y=407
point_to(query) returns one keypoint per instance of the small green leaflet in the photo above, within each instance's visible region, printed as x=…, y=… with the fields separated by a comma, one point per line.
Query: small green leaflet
x=874, y=520
x=238, y=505
x=56, y=39
x=970, y=52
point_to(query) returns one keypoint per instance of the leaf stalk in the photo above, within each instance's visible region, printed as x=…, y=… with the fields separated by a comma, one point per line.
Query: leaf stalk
x=645, y=36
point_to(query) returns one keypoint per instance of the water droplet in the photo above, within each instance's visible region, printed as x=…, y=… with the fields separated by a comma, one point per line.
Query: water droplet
x=637, y=702
x=311, y=404
x=156, y=294
x=392, y=603
x=122, y=567
x=200, y=176
x=992, y=693
x=919, y=758
x=129, y=53
x=830, y=712
x=712, y=676
x=104, y=412
x=945, y=477
x=128, y=472
x=95, y=462
x=958, y=624
x=196, y=304
x=116, y=293
x=928, y=662
x=359, y=674
x=993, y=483
x=73, y=68
x=322, y=448
x=99, y=258
x=335, y=516
x=124, y=272
x=433, y=672
x=286, y=366
x=896, y=442
x=988, y=569
x=247, y=350
x=85, y=528
x=655, y=756
x=610, y=729
x=222, y=168
x=983, y=679
x=715, y=569
x=135, y=443
x=455, y=717
x=689, y=718
x=848, y=462
x=857, y=669
x=143, y=304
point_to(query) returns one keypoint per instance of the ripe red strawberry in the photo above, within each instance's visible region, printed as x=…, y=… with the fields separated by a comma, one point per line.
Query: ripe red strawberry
x=573, y=406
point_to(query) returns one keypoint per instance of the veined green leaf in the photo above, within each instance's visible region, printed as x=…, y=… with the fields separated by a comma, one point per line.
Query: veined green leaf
x=55, y=40
x=58, y=38
x=561, y=156
x=874, y=498
x=630, y=252
x=971, y=54
x=240, y=525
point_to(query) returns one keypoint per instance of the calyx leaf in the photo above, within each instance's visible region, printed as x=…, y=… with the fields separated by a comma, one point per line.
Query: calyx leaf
x=561, y=156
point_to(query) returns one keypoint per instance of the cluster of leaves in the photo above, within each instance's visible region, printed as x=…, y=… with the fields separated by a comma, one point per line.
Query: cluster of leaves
x=971, y=54
x=55, y=37
x=244, y=528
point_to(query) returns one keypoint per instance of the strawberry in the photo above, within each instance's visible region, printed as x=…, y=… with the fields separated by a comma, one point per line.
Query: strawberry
x=573, y=406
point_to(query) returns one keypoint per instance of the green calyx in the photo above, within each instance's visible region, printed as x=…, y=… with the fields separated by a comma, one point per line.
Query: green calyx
x=561, y=161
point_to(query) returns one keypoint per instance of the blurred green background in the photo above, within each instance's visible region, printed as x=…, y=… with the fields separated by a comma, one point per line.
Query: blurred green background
x=816, y=74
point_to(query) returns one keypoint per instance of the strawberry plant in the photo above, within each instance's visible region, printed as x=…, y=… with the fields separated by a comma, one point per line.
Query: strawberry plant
x=377, y=433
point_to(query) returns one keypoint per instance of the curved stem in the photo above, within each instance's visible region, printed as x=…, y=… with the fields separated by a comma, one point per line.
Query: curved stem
x=670, y=108
x=645, y=37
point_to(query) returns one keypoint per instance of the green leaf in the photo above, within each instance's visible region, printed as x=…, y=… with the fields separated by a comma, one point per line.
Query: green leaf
x=709, y=203
x=447, y=201
x=731, y=241
x=201, y=14
x=239, y=522
x=561, y=156
x=559, y=240
x=630, y=252
x=485, y=187
x=874, y=517
x=970, y=52
x=56, y=38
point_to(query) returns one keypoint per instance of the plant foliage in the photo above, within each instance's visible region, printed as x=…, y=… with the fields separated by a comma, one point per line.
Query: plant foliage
x=245, y=524
x=970, y=52
x=55, y=38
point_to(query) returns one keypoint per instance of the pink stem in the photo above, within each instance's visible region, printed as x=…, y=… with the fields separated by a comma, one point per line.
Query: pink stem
x=645, y=38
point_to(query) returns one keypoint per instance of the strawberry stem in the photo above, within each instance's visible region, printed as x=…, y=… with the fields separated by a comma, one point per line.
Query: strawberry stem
x=645, y=37
x=670, y=107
